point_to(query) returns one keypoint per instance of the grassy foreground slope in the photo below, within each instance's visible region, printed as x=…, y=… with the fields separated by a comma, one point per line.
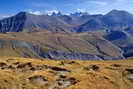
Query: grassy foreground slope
x=22, y=73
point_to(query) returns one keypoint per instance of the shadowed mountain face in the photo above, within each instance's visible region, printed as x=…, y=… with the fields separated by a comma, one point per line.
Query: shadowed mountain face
x=13, y=24
x=114, y=20
x=123, y=40
x=118, y=19
x=92, y=24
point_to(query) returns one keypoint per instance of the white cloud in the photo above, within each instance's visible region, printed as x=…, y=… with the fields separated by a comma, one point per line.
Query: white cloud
x=81, y=10
x=98, y=2
x=50, y=12
x=4, y=16
x=36, y=12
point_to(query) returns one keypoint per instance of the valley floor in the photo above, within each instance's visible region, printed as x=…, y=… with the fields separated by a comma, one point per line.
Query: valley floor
x=22, y=73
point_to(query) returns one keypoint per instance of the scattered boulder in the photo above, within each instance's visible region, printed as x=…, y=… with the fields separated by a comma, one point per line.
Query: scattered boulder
x=11, y=67
x=25, y=67
x=72, y=62
x=59, y=69
x=38, y=80
x=41, y=67
x=128, y=73
x=3, y=65
x=130, y=77
x=116, y=65
x=38, y=67
x=67, y=63
x=16, y=63
x=92, y=67
x=64, y=82
x=29, y=64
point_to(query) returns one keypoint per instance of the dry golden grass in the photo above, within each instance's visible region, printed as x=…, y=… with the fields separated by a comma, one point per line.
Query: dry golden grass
x=22, y=73
x=87, y=43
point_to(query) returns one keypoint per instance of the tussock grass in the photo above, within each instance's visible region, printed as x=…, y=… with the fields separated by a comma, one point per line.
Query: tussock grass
x=26, y=73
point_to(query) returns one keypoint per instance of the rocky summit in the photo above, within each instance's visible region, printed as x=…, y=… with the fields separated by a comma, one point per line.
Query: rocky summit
x=76, y=22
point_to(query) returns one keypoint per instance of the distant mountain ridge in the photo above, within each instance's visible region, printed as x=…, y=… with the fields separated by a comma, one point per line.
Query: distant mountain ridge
x=76, y=22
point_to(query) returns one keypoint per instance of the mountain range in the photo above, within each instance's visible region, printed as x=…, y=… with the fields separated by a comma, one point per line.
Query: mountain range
x=76, y=22
x=75, y=36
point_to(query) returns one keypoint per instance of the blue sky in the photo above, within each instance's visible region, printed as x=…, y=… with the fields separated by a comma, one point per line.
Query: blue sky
x=10, y=7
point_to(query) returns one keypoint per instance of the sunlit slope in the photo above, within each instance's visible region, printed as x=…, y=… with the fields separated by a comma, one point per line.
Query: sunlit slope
x=58, y=46
x=20, y=73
